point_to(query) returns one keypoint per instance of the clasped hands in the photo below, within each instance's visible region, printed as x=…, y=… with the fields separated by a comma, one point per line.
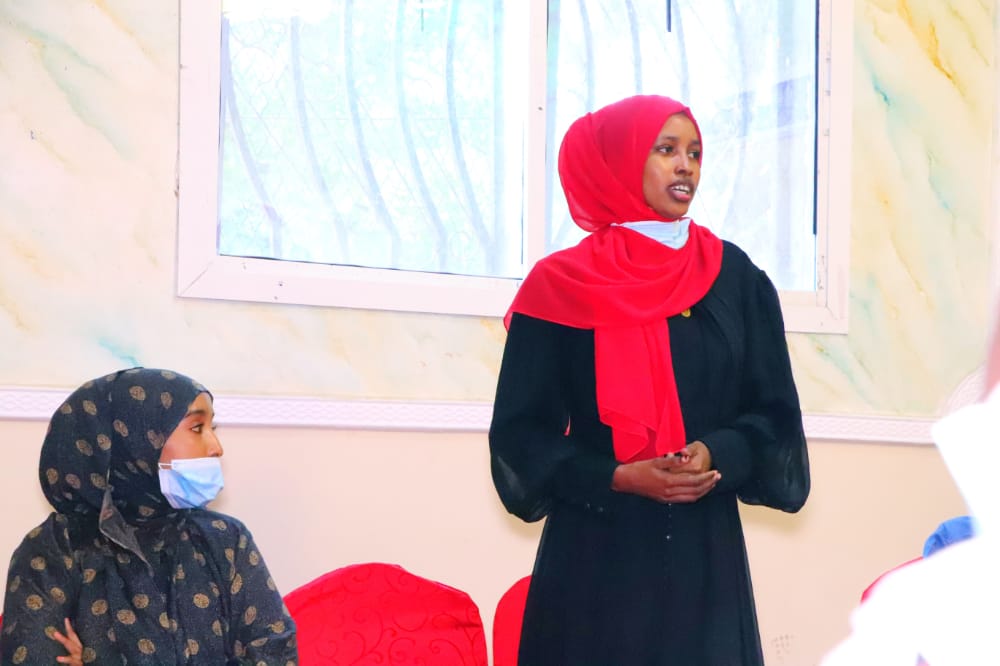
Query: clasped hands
x=669, y=479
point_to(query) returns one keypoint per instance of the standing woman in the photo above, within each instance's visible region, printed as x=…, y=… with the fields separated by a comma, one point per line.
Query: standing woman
x=129, y=568
x=645, y=386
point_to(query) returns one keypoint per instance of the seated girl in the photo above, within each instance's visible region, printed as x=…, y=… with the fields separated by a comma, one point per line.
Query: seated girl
x=130, y=568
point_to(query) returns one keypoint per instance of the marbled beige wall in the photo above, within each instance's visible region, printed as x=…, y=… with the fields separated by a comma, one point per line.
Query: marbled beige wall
x=88, y=129
x=924, y=90
x=88, y=113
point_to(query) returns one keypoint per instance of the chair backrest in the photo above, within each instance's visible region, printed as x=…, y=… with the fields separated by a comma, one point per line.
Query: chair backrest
x=507, y=623
x=947, y=533
x=382, y=614
x=871, y=586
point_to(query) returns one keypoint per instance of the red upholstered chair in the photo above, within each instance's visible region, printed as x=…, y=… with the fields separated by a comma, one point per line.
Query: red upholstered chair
x=507, y=623
x=368, y=614
x=868, y=590
x=947, y=533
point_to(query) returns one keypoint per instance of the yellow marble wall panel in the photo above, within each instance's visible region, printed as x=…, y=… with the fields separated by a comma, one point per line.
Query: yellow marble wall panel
x=88, y=114
x=88, y=121
x=924, y=85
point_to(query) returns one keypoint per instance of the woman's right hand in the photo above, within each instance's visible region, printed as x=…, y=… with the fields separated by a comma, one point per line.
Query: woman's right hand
x=658, y=480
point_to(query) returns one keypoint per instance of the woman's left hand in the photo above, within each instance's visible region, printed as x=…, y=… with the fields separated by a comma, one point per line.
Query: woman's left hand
x=72, y=643
x=695, y=459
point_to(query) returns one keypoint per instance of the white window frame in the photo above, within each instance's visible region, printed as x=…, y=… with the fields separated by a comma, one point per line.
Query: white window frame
x=203, y=273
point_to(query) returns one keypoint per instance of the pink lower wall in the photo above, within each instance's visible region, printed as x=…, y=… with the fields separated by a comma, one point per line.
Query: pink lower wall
x=319, y=499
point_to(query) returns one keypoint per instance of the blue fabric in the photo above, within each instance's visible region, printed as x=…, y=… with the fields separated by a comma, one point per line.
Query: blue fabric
x=949, y=532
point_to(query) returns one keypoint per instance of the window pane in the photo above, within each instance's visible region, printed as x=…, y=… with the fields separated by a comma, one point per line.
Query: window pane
x=747, y=70
x=389, y=135
x=378, y=134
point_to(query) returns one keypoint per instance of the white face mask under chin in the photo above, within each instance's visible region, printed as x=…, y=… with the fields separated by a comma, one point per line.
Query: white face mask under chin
x=191, y=483
x=969, y=441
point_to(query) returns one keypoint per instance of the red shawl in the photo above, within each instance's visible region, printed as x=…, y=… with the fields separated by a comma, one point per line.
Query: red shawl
x=619, y=283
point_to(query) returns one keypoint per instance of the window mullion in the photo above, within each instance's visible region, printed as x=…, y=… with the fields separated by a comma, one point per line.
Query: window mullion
x=534, y=142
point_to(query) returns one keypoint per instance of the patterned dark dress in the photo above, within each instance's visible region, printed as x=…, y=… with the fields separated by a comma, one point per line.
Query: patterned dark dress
x=141, y=582
x=619, y=579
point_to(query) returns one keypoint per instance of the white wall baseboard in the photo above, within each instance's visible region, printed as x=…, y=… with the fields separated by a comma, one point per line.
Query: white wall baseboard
x=39, y=404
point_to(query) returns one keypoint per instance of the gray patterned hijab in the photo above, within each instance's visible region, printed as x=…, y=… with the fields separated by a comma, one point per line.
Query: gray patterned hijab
x=143, y=583
x=99, y=460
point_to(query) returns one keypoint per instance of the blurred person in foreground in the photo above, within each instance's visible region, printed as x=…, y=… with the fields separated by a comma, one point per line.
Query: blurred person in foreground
x=944, y=610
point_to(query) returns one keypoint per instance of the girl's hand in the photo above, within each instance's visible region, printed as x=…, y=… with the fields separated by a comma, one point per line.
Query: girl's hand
x=72, y=643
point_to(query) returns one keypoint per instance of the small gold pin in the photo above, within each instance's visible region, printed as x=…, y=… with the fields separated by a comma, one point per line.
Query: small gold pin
x=686, y=313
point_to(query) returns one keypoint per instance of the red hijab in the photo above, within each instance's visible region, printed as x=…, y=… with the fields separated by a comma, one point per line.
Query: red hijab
x=619, y=283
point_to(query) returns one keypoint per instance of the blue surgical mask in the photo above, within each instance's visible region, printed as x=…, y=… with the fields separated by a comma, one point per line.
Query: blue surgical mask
x=191, y=483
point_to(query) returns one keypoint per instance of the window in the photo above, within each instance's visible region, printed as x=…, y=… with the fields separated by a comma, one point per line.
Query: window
x=402, y=155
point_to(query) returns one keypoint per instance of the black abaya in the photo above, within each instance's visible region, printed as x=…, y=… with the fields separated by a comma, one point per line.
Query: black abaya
x=620, y=579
